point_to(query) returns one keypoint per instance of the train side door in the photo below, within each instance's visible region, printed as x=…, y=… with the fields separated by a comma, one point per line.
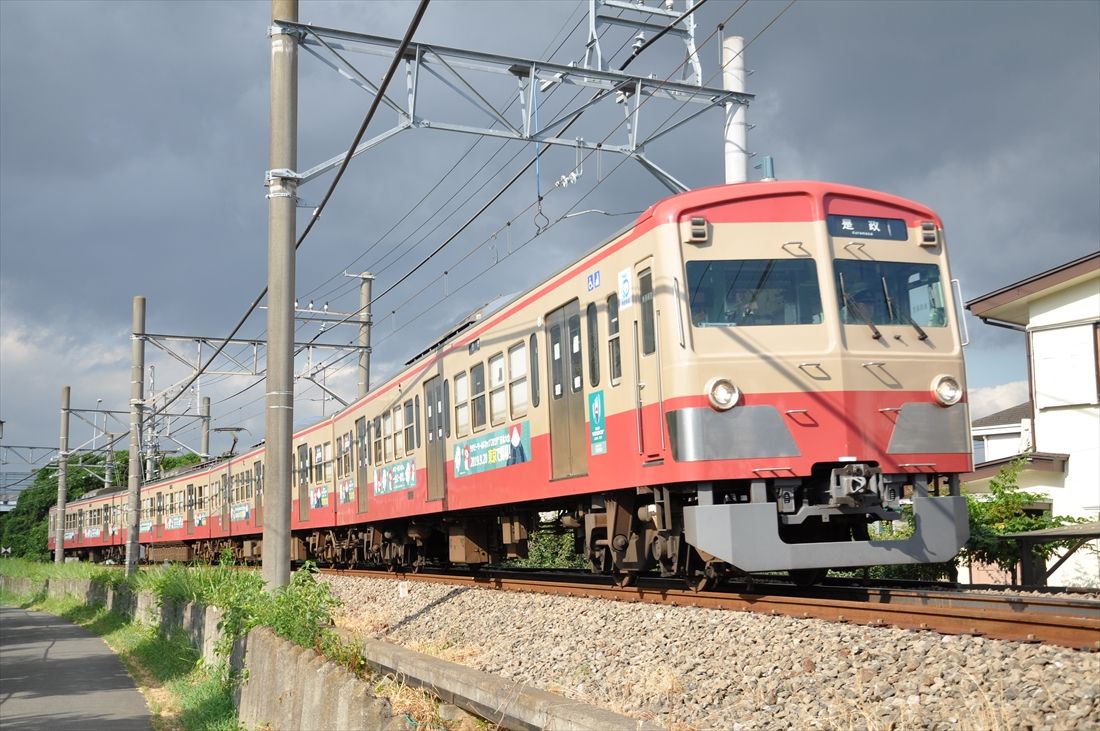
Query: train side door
x=190, y=510
x=436, y=448
x=647, y=373
x=362, y=457
x=568, y=445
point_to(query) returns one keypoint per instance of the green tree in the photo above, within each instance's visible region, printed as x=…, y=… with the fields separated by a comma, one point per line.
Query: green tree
x=25, y=529
x=1007, y=509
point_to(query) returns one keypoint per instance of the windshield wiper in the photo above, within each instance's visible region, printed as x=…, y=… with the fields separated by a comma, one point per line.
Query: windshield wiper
x=858, y=310
x=921, y=334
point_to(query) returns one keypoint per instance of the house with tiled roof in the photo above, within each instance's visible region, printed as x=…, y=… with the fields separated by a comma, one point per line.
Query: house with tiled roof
x=1058, y=431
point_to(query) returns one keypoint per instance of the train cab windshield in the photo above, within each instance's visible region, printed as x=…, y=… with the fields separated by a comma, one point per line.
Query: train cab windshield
x=889, y=293
x=750, y=292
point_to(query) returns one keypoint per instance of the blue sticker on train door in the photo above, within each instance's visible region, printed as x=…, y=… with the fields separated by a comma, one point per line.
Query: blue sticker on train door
x=597, y=431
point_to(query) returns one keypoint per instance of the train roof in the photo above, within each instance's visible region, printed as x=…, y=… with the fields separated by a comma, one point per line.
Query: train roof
x=669, y=210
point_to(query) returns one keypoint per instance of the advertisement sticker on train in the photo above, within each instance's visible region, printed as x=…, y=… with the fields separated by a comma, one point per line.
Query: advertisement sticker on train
x=492, y=451
x=200, y=518
x=146, y=526
x=593, y=281
x=624, y=288
x=400, y=476
x=597, y=430
x=240, y=511
x=175, y=522
x=347, y=491
x=92, y=532
x=318, y=497
x=69, y=535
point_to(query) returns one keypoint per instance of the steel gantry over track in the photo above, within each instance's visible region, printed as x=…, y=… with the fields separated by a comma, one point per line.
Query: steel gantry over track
x=455, y=68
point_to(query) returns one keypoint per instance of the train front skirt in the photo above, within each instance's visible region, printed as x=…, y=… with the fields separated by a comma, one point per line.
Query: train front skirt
x=746, y=536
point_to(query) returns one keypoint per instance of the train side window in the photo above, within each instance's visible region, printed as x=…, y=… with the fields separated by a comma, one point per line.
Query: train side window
x=498, y=401
x=462, y=409
x=378, y=440
x=318, y=463
x=517, y=385
x=347, y=458
x=398, y=432
x=361, y=441
x=614, y=356
x=258, y=478
x=649, y=333
x=328, y=461
x=387, y=436
x=576, y=360
x=593, y=346
x=534, y=370
x=410, y=436
x=416, y=418
x=477, y=395
x=556, y=369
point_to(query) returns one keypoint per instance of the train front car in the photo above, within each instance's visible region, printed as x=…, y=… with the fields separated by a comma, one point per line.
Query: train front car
x=821, y=384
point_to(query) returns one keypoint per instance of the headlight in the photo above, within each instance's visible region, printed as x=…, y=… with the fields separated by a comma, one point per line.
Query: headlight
x=722, y=393
x=946, y=390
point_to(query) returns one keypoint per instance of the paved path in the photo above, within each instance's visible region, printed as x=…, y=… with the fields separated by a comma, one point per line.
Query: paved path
x=57, y=676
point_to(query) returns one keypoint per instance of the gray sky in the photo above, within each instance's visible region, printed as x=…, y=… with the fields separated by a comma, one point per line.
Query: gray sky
x=133, y=144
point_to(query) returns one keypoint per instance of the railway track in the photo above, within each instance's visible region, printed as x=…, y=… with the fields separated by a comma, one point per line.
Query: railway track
x=1071, y=623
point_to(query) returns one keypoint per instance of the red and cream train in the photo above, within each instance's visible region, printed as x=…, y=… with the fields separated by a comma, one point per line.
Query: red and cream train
x=745, y=379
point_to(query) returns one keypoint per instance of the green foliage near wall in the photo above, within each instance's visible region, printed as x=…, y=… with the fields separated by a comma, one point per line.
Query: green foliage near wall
x=1007, y=509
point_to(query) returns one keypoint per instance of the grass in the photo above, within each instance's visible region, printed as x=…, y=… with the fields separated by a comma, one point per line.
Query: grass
x=183, y=694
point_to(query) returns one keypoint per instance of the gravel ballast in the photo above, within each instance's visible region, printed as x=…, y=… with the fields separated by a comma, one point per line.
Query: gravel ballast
x=687, y=668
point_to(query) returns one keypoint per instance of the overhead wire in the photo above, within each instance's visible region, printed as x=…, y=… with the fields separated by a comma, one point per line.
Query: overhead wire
x=468, y=151
x=397, y=56
x=564, y=215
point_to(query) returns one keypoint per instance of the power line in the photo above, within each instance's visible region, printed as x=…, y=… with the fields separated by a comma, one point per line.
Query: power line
x=397, y=56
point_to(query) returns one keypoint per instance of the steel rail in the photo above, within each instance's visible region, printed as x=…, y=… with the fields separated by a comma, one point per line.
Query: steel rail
x=1067, y=623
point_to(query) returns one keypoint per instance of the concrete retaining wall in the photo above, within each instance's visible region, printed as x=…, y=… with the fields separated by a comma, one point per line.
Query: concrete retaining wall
x=290, y=687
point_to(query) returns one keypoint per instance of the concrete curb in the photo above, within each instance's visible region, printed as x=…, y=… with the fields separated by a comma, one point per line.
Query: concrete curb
x=508, y=704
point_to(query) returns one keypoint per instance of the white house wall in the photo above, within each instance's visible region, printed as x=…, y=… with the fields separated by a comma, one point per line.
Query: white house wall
x=1067, y=414
x=1072, y=304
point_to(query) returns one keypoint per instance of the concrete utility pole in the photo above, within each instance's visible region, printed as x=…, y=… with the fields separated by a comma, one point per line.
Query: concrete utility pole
x=137, y=395
x=737, y=126
x=62, y=479
x=109, y=469
x=365, y=281
x=281, y=233
x=204, y=447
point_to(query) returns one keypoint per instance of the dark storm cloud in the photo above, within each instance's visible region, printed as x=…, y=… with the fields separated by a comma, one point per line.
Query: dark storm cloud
x=133, y=142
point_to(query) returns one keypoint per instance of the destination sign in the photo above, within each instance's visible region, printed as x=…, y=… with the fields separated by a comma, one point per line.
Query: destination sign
x=868, y=228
